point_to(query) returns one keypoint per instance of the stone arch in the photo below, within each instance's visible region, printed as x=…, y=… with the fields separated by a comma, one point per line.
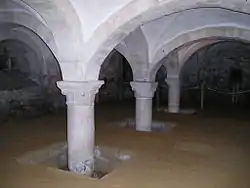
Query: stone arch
x=161, y=74
x=221, y=32
x=220, y=56
x=55, y=22
x=39, y=69
x=112, y=31
x=122, y=49
x=48, y=71
x=117, y=73
x=119, y=58
x=26, y=7
x=26, y=36
x=185, y=53
x=27, y=21
x=20, y=49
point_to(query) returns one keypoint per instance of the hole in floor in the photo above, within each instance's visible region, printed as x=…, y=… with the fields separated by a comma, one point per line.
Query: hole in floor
x=157, y=126
x=106, y=159
x=96, y=174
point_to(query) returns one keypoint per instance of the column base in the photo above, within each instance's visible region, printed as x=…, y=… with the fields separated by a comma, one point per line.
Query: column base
x=143, y=129
x=173, y=109
x=85, y=167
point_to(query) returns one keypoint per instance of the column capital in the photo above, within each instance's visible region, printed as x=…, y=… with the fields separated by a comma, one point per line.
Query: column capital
x=144, y=89
x=80, y=93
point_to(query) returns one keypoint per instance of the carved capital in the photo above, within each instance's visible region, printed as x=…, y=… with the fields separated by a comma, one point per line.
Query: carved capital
x=144, y=89
x=80, y=93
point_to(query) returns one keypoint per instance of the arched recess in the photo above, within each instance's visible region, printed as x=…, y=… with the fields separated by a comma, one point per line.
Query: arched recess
x=56, y=23
x=185, y=53
x=112, y=61
x=117, y=75
x=29, y=21
x=214, y=33
x=47, y=67
x=24, y=59
x=131, y=15
x=217, y=59
x=48, y=64
x=123, y=49
x=161, y=76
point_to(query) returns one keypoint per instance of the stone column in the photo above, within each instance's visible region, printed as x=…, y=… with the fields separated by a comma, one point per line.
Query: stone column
x=144, y=92
x=80, y=124
x=173, y=93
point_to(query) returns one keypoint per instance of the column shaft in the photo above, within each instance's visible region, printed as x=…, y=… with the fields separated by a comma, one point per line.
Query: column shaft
x=144, y=92
x=143, y=114
x=80, y=124
x=80, y=136
x=173, y=94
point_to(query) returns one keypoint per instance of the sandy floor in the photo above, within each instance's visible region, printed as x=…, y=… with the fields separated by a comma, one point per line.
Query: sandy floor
x=201, y=152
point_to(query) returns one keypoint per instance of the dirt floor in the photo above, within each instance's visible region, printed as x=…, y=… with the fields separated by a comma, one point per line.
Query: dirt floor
x=203, y=151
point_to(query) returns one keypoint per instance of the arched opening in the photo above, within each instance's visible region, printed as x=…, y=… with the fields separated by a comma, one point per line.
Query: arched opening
x=117, y=75
x=28, y=79
x=233, y=89
x=16, y=65
x=162, y=88
x=222, y=69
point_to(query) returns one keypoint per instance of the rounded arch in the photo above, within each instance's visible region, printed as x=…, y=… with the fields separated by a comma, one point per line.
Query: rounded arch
x=117, y=75
x=122, y=49
x=62, y=20
x=55, y=22
x=45, y=69
x=161, y=75
x=25, y=35
x=219, y=33
x=120, y=64
x=28, y=21
x=185, y=53
x=189, y=51
x=26, y=7
x=217, y=60
x=123, y=22
x=20, y=33
x=26, y=59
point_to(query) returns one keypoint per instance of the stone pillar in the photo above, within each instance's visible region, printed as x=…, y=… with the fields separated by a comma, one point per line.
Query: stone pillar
x=80, y=124
x=144, y=93
x=173, y=93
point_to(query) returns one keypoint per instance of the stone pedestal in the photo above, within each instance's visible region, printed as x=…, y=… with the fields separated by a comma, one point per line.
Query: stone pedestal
x=173, y=94
x=80, y=122
x=144, y=92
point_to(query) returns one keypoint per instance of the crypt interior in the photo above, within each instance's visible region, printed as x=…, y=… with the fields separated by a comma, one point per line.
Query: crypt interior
x=129, y=93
